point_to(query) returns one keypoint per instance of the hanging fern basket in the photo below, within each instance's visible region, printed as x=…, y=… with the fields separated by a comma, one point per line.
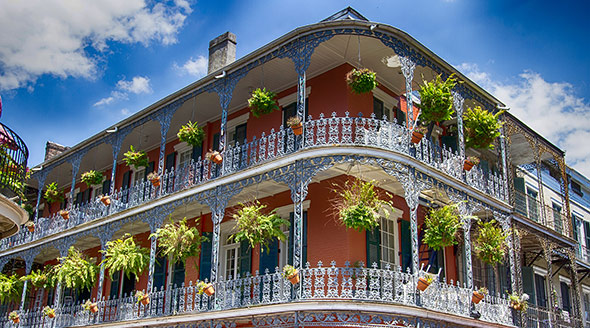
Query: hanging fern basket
x=262, y=102
x=361, y=80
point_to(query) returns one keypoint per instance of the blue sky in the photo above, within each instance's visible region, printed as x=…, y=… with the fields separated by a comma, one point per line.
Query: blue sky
x=68, y=72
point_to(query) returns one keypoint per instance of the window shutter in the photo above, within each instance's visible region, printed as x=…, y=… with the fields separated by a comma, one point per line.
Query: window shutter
x=159, y=273
x=292, y=240
x=149, y=169
x=240, y=133
x=170, y=161
x=269, y=260
x=519, y=196
x=540, y=290
x=587, y=230
x=406, y=245
x=304, y=252
x=401, y=116
x=373, y=247
x=179, y=272
x=86, y=196
x=128, y=285
x=245, y=260
x=291, y=236
x=115, y=284
x=197, y=152
x=528, y=284
x=126, y=180
x=565, y=297
x=575, y=223
x=106, y=187
x=216, y=141
x=79, y=198
x=377, y=108
x=205, y=263
x=449, y=142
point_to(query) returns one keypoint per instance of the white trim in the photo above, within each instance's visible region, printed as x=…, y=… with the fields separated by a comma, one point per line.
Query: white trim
x=387, y=100
x=181, y=147
x=231, y=124
x=540, y=271
x=586, y=289
x=287, y=100
x=284, y=211
x=532, y=187
x=565, y=279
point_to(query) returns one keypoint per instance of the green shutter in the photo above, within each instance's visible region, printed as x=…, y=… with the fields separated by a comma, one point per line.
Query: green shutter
x=106, y=187
x=149, y=169
x=587, y=230
x=528, y=283
x=245, y=260
x=292, y=235
x=373, y=247
x=179, y=273
x=519, y=196
x=304, y=252
x=449, y=142
x=269, y=260
x=170, y=161
x=205, y=263
x=115, y=285
x=406, y=245
x=159, y=272
x=197, y=152
x=519, y=184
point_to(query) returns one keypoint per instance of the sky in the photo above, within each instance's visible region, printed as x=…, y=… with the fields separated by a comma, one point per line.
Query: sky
x=69, y=69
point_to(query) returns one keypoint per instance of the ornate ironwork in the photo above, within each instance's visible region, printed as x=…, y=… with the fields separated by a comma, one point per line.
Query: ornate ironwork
x=408, y=67
x=164, y=117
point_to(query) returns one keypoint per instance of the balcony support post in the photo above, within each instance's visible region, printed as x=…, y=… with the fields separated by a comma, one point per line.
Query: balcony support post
x=576, y=289
x=547, y=250
x=465, y=211
x=28, y=256
x=506, y=224
x=408, y=67
x=63, y=246
x=504, y=153
x=75, y=160
x=41, y=176
x=116, y=141
x=164, y=117
x=540, y=197
x=458, y=101
x=105, y=234
x=154, y=219
x=412, y=189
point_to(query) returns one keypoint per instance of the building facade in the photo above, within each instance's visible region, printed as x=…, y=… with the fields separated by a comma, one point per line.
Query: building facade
x=348, y=278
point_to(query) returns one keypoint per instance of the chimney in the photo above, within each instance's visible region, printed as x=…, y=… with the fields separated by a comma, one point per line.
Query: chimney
x=53, y=149
x=222, y=51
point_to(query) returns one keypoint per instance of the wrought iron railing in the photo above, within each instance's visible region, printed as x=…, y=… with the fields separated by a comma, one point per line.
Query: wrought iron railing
x=322, y=132
x=538, y=317
x=541, y=213
x=13, y=161
x=382, y=286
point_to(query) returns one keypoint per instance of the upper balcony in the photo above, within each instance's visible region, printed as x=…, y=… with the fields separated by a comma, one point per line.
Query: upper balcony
x=13, y=170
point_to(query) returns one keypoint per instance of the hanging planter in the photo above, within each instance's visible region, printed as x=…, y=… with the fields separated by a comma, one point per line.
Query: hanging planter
x=205, y=288
x=436, y=100
x=52, y=194
x=14, y=317
x=65, y=214
x=137, y=158
x=91, y=307
x=49, y=312
x=359, y=206
x=470, y=162
x=362, y=80
x=441, y=226
x=256, y=227
x=125, y=255
x=30, y=226
x=418, y=134
x=424, y=282
x=291, y=274
x=490, y=245
x=295, y=124
x=191, y=133
x=262, y=102
x=75, y=270
x=154, y=179
x=214, y=156
x=481, y=128
x=519, y=303
x=92, y=178
x=11, y=288
x=478, y=295
x=41, y=278
x=106, y=200
x=143, y=298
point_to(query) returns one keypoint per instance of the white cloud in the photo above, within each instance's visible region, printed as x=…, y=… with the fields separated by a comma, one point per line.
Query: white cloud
x=551, y=108
x=196, y=67
x=137, y=85
x=53, y=36
x=125, y=112
x=104, y=101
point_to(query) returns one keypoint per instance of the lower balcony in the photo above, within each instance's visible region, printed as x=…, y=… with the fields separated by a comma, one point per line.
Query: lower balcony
x=390, y=291
x=538, y=317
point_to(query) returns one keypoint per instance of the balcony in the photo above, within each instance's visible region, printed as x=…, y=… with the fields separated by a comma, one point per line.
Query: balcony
x=541, y=213
x=538, y=317
x=322, y=133
x=327, y=286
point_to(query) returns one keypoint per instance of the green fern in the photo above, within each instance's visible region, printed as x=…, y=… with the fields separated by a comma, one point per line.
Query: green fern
x=41, y=278
x=124, y=255
x=255, y=227
x=481, y=128
x=11, y=288
x=441, y=226
x=178, y=242
x=490, y=245
x=75, y=271
x=359, y=205
x=436, y=100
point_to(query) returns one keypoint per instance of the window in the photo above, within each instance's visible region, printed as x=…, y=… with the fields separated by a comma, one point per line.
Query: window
x=557, y=224
x=576, y=188
x=540, y=291
x=388, y=243
x=575, y=227
x=565, y=297
x=185, y=158
x=532, y=204
x=229, y=257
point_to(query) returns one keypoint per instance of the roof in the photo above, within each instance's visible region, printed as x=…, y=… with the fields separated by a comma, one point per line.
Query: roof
x=346, y=13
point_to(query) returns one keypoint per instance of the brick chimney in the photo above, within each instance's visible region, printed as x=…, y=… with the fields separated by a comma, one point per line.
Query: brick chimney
x=222, y=51
x=53, y=149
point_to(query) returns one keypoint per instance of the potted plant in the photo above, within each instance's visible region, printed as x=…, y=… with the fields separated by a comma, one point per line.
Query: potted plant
x=470, y=162
x=14, y=317
x=49, y=312
x=143, y=298
x=124, y=255
x=291, y=274
x=91, y=307
x=75, y=270
x=30, y=226
x=481, y=127
x=418, y=133
x=10, y=288
x=191, y=133
x=436, y=100
x=178, y=241
x=361, y=80
x=206, y=288
x=105, y=199
x=92, y=177
x=441, y=226
x=262, y=102
x=214, y=156
x=136, y=158
x=424, y=282
x=359, y=205
x=257, y=227
x=64, y=214
x=52, y=194
x=295, y=124
x=490, y=244
x=479, y=295
x=154, y=179
x=41, y=278
x=519, y=303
